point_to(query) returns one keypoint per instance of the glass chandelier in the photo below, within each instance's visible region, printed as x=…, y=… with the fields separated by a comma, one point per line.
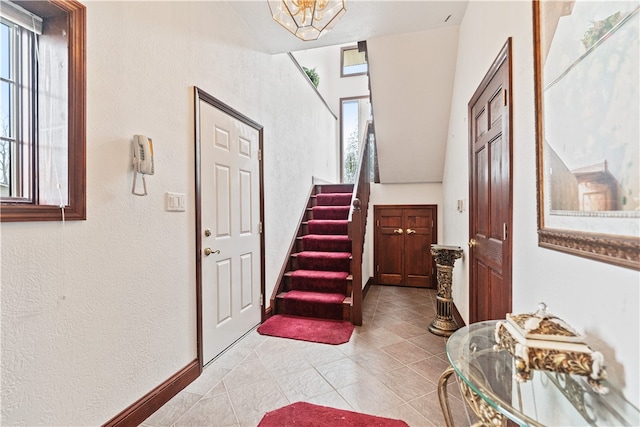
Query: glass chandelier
x=307, y=19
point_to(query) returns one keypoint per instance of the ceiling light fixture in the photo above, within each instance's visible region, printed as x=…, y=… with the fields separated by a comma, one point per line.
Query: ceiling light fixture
x=307, y=19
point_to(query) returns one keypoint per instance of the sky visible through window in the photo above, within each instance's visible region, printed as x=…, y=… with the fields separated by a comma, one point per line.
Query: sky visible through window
x=355, y=69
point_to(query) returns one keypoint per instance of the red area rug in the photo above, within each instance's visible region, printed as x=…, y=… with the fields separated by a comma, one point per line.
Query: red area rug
x=308, y=415
x=305, y=329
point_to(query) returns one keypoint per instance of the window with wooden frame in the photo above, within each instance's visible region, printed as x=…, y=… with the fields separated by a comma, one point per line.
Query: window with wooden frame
x=352, y=62
x=42, y=110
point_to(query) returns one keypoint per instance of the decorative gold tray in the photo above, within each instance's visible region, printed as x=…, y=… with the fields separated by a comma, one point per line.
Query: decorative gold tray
x=545, y=342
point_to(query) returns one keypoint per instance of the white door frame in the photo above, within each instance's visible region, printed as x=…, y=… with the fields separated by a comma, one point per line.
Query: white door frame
x=201, y=96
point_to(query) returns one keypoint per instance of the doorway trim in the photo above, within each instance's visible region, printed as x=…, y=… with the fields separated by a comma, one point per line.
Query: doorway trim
x=200, y=95
x=504, y=57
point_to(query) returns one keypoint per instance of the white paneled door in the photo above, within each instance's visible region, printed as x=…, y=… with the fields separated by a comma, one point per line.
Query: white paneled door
x=230, y=225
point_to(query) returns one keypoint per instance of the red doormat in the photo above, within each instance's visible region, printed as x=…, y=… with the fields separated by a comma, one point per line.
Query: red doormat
x=308, y=415
x=306, y=329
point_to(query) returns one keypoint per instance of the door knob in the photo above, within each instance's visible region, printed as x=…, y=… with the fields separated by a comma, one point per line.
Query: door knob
x=398, y=231
x=209, y=251
x=410, y=231
x=472, y=243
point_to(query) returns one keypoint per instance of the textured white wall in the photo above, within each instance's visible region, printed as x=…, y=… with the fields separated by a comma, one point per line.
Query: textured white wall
x=326, y=61
x=598, y=299
x=412, y=81
x=97, y=313
x=332, y=87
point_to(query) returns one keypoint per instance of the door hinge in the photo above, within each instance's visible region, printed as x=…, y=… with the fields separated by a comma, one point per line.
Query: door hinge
x=504, y=231
x=378, y=268
x=259, y=155
x=431, y=223
x=260, y=227
x=504, y=97
x=261, y=300
x=378, y=223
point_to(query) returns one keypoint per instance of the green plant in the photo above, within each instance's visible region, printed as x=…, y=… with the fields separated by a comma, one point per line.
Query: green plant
x=599, y=29
x=313, y=75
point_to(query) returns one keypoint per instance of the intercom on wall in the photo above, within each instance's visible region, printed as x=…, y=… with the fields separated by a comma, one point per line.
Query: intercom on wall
x=142, y=161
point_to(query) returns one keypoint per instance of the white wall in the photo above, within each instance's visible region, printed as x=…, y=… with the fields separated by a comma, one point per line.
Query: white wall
x=401, y=194
x=598, y=299
x=332, y=87
x=97, y=313
x=411, y=83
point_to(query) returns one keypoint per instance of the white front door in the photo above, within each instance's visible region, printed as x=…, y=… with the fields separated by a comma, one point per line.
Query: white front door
x=230, y=226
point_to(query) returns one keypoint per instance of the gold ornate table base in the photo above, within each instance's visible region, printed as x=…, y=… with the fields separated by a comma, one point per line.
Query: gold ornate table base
x=485, y=374
x=488, y=416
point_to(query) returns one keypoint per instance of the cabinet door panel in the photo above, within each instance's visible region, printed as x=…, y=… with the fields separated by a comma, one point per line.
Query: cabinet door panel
x=390, y=247
x=418, y=239
x=404, y=235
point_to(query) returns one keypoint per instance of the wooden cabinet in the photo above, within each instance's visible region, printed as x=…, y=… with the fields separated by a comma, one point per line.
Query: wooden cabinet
x=402, y=244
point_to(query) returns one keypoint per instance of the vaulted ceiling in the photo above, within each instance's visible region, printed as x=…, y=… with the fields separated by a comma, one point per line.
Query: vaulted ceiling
x=412, y=54
x=364, y=19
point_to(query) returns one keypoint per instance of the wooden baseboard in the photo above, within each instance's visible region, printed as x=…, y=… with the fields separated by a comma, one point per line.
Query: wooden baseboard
x=139, y=411
x=457, y=317
x=367, y=286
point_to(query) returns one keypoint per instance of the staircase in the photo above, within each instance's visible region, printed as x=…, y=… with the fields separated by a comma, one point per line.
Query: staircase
x=318, y=281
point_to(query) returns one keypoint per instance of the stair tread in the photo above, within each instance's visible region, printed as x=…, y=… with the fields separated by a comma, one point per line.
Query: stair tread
x=316, y=297
x=340, y=186
x=333, y=199
x=331, y=193
x=281, y=295
x=323, y=254
x=325, y=236
x=301, y=272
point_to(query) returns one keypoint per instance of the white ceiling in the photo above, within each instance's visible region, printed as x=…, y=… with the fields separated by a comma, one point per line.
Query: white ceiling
x=395, y=30
x=364, y=19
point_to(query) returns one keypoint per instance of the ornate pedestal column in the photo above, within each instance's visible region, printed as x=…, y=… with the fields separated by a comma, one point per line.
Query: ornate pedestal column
x=445, y=257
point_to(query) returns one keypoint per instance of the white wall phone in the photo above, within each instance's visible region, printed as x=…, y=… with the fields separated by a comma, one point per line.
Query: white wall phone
x=142, y=161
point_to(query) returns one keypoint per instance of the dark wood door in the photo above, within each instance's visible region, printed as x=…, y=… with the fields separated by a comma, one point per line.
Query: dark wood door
x=403, y=239
x=491, y=193
x=389, y=246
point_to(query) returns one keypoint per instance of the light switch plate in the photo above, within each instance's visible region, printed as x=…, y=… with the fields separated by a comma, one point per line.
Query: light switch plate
x=175, y=202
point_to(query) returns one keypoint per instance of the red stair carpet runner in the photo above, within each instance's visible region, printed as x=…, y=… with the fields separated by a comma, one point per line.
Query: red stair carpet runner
x=308, y=415
x=311, y=307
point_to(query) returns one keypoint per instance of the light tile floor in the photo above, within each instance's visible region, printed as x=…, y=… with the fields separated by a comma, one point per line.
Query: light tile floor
x=389, y=368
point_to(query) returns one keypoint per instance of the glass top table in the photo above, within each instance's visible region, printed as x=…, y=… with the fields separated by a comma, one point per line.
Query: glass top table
x=487, y=381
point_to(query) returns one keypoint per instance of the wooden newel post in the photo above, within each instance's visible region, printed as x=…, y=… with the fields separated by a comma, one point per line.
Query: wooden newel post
x=445, y=257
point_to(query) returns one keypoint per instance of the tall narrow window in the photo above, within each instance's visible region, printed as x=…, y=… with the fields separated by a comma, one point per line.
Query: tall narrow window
x=354, y=113
x=42, y=110
x=17, y=109
x=352, y=62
